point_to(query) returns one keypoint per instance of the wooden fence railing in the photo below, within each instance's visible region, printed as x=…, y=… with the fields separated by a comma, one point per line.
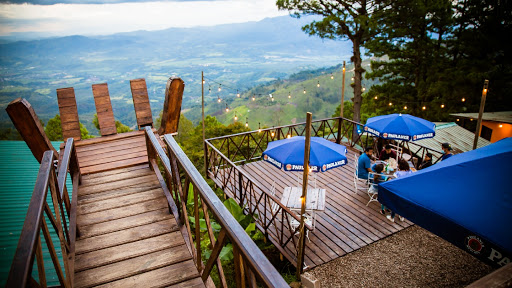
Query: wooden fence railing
x=251, y=265
x=61, y=214
x=223, y=154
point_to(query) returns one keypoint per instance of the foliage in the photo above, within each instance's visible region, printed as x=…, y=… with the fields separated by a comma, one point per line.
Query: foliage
x=348, y=19
x=9, y=134
x=120, y=127
x=53, y=130
x=439, y=53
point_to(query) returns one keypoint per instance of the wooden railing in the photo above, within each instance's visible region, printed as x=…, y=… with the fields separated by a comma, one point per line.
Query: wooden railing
x=61, y=215
x=251, y=265
x=223, y=154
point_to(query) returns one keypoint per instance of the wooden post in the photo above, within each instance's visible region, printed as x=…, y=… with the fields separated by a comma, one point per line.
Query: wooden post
x=482, y=105
x=302, y=236
x=172, y=106
x=27, y=123
x=342, y=91
x=202, y=117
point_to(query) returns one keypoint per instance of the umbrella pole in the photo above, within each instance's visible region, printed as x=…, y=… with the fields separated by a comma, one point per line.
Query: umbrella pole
x=301, y=247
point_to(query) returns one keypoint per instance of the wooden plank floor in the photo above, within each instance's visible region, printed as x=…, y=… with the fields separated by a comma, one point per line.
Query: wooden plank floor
x=345, y=225
x=111, y=152
x=128, y=238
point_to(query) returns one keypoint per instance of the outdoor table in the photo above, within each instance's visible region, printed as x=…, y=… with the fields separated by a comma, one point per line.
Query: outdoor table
x=315, y=199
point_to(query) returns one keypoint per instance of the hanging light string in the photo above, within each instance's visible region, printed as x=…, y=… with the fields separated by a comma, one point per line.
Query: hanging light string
x=406, y=105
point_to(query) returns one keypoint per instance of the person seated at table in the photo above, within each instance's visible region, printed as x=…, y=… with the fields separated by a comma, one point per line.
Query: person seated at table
x=447, y=151
x=427, y=161
x=403, y=169
x=387, y=153
x=364, y=163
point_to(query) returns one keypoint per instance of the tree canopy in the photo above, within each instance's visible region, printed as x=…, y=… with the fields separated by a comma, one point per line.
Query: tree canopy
x=53, y=130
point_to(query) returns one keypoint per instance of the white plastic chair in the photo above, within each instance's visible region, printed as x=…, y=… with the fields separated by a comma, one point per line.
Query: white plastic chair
x=274, y=206
x=398, y=150
x=359, y=183
x=373, y=188
x=309, y=219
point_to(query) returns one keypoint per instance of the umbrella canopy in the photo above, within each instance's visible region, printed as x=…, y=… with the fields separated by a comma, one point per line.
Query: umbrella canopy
x=400, y=127
x=289, y=154
x=466, y=199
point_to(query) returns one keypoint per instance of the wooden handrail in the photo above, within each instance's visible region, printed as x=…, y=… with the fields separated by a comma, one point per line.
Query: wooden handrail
x=29, y=244
x=22, y=263
x=253, y=257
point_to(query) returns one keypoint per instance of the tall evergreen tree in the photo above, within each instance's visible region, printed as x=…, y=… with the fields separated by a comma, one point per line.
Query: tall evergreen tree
x=413, y=35
x=349, y=19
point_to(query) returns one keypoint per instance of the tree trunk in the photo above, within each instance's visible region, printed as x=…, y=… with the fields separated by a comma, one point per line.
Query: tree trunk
x=358, y=74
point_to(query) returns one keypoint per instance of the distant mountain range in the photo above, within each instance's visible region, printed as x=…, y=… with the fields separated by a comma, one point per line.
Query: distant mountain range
x=238, y=55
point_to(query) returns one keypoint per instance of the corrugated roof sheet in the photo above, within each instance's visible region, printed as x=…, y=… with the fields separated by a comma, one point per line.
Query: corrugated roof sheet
x=504, y=116
x=459, y=138
x=18, y=173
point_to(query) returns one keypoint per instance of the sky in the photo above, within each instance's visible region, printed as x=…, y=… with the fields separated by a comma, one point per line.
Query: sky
x=103, y=17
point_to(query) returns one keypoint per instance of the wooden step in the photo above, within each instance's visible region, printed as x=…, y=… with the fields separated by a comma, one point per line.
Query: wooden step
x=126, y=251
x=114, y=165
x=162, y=277
x=84, y=245
x=124, y=223
x=131, y=182
x=144, y=186
x=122, y=212
x=138, y=265
x=120, y=201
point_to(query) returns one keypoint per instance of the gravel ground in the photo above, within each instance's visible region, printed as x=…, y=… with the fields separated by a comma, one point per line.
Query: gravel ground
x=412, y=257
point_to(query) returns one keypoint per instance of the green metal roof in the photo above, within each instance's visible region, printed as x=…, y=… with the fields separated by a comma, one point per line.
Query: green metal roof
x=18, y=173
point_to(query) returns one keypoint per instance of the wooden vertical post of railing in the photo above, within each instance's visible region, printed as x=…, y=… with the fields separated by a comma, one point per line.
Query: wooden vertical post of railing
x=338, y=137
x=150, y=150
x=302, y=235
x=40, y=263
x=342, y=91
x=197, y=230
x=172, y=106
x=27, y=123
x=214, y=257
x=240, y=186
x=239, y=268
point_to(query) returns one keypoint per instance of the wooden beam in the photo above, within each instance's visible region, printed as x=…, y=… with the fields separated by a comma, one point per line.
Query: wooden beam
x=301, y=248
x=104, y=109
x=27, y=123
x=172, y=106
x=141, y=103
x=499, y=278
x=68, y=113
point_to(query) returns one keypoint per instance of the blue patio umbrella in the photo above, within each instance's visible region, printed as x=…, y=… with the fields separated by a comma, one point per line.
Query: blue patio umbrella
x=288, y=154
x=465, y=199
x=400, y=127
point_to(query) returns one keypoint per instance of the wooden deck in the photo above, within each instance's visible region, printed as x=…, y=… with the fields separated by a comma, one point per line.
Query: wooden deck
x=345, y=225
x=128, y=238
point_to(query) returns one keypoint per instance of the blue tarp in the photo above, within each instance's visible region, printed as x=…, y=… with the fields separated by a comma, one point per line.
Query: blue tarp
x=465, y=199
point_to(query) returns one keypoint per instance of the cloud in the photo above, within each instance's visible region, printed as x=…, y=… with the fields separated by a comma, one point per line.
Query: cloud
x=52, y=2
x=102, y=19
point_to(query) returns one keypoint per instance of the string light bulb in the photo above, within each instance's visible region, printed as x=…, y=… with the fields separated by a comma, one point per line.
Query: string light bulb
x=253, y=98
x=227, y=109
x=332, y=76
x=405, y=107
x=246, y=122
x=237, y=93
x=318, y=84
x=204, y=81
x=352, y=78
x=424, y=107
x=289, y=95
x=390, y=104
x=363, y=89
x=501, y=125
x=375, y=97
x=343, y=69
x=259, y=127
x=288, y=136
x=457, y=119
x=463, y=99
x=236, y=117
x=272, y=133
x=304, y=90
x=485, y=90
x=220, y=87
x=218, y=99
x=442, y=105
